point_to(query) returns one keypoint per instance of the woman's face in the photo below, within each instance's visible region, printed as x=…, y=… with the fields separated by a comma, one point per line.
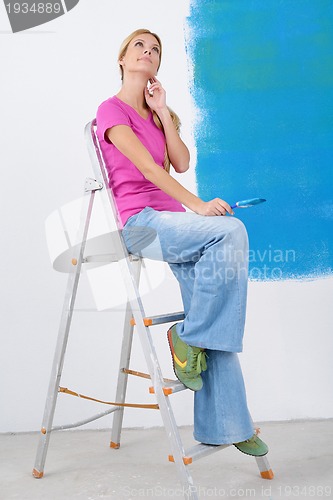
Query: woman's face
x=142, y=55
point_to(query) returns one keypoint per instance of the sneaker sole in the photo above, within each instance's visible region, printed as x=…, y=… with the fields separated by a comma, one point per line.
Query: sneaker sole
x=173, y=361
x=251, y=454
x=172, y=353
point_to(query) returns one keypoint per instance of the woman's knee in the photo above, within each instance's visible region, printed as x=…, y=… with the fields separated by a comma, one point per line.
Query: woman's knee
x=238, y=237
x=235, y=229
x=238, y=225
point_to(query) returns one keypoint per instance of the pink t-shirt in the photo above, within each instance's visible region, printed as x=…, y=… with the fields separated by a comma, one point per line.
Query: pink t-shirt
x=131, y=190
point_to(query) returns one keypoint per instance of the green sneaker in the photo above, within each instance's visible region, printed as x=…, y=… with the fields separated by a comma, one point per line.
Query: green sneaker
x=188, y=361
x=253, y=446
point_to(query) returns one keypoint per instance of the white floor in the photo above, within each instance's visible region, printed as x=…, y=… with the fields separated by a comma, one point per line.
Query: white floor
x=80, y=465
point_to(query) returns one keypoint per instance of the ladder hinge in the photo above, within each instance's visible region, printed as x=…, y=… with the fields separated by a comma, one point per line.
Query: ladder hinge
x=92, y=185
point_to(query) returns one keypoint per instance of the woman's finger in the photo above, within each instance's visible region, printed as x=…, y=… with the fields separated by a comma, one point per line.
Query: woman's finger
x=155, y=86
x=216, y=209
x=226, y=207
x=153, y=80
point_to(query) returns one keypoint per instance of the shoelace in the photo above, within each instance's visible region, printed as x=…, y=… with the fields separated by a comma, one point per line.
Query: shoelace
x=252, y=439
x=198, y=362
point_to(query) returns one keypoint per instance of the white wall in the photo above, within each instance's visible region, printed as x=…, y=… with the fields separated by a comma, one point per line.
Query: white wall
x=52, y=79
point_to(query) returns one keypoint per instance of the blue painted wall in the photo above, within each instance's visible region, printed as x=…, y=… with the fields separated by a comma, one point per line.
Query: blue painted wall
x=263, y=83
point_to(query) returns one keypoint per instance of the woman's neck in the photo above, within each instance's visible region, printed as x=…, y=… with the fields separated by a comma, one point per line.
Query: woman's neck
x=132, y=92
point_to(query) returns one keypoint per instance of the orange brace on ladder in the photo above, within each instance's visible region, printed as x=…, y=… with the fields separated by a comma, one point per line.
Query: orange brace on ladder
x=146, y=322
x=186, y=460
x=127, y=405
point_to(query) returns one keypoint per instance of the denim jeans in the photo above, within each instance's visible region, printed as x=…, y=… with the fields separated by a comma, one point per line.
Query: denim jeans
x=208, y=256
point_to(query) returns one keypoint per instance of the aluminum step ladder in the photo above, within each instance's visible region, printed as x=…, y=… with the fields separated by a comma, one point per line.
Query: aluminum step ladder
x=135, y=317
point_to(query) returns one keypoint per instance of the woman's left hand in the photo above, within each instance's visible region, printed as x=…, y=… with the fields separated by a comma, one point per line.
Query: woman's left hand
x=156, y=95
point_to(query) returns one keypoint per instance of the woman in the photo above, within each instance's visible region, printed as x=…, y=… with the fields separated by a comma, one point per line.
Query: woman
x=206, y=251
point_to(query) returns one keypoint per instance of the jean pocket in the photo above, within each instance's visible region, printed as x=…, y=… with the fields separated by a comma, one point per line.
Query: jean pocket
x=135, y=219
x=136, y=234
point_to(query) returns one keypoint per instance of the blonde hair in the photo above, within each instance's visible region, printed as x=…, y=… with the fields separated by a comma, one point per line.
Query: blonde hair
x=174, y=116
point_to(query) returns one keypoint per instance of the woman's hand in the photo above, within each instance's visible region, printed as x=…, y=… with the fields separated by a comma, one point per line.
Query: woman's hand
x=155, y=96
x=214, y=207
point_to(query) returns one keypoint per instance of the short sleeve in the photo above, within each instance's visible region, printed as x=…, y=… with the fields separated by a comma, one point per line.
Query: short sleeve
x=108, y=115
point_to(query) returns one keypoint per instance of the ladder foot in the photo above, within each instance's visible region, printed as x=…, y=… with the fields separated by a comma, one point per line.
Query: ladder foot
x=267, y=474
x=115, y=446
x=37, y=474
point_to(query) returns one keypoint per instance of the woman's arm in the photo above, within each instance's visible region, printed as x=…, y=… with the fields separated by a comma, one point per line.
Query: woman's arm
x=123, y=137
x=177, y=151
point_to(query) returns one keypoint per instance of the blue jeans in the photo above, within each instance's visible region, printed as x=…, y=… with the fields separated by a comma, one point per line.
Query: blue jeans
x=208, y=256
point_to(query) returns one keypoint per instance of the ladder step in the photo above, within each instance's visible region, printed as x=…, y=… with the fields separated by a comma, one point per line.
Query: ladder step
x=160, y=319
x=172, y=387
x=199, y=451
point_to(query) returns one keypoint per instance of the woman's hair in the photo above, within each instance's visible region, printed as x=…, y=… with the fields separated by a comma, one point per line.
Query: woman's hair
x=174, y=116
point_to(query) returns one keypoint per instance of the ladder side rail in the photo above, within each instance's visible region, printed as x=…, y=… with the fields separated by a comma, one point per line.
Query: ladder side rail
x=100, y=169
x=124, y=363
x=156, y=377
x=139, y=314
x=63, y=333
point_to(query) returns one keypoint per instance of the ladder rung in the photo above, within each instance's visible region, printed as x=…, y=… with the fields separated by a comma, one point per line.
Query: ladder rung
x=82, y=422
x=160, y=319
x=171, y=388
x=104, y=258
x=199, y=451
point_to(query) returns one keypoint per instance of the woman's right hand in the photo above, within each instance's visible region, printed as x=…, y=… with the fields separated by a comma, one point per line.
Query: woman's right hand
x=214, y=207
